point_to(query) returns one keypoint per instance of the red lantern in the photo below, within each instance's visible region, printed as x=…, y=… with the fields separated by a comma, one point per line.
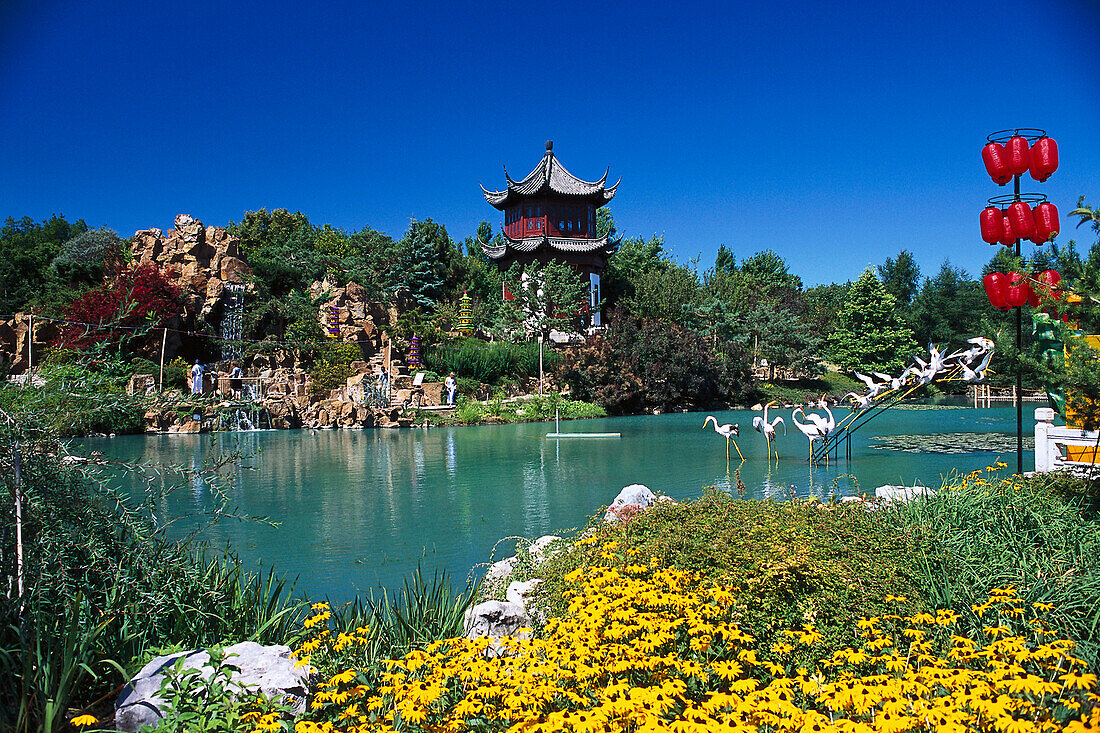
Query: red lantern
x=1019, y=156
x=1032, y=295
x=1023, y=221
x=1008, y=236
x=1046, y=222
x=1044, y=158
x=1050, y=280
x=1017, y=290
x=992, y=228
x=996, y=163
x=995, y=284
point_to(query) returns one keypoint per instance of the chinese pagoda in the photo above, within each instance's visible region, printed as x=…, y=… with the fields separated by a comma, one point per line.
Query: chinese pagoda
x=551, y=215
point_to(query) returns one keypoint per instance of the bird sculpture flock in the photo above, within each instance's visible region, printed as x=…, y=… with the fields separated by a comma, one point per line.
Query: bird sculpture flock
x=969, y=365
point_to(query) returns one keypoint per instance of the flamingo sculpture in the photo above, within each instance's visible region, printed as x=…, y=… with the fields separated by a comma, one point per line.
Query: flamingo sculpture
x=728, y=431
x=810, y=429
x=863, y=401
x=761, y=425
x=978, y=374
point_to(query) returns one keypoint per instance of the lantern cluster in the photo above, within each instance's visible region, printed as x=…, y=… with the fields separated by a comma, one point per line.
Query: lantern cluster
x=1014, y=289
x=1019, y=221
x=1016, y=157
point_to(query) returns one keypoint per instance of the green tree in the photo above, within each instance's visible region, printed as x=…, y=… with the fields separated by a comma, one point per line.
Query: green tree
x=262, y=228
x=27, y=249
x=769, y=271
x=87, y=257
x=948, y=308
x=425, y=261
x=633, y=260
x=724, y=261
x=823, y=304
x=550, y=295
x=901, y=277
x=671, y=293
x=777, y=329
x=870, y=335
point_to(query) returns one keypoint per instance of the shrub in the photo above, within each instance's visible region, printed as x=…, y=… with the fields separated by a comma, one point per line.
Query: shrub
x=643, y=647
x=491, y=362
x=139, y=298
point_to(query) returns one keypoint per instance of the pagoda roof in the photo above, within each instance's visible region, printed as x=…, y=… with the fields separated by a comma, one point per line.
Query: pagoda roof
x=550, y=176
x=560, y=244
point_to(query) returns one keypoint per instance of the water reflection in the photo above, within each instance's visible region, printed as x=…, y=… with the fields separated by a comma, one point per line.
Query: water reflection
x=361, y=508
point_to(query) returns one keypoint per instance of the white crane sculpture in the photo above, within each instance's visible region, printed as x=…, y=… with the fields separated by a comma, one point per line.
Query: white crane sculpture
x=728, y=431
x=811, y=429
x=761, y=425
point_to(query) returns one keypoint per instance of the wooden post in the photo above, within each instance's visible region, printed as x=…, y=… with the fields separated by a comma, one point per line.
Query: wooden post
x=163, y=344
x=30, y=347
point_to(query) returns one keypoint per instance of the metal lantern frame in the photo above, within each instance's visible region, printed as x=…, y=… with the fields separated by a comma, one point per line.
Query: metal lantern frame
x=1032, y=135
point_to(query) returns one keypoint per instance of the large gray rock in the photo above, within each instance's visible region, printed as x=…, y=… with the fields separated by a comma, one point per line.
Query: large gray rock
x=631, y=500
x=538, y=548
x=265, y=669
x=495, y=619
x=518, y=590
x=902, y=494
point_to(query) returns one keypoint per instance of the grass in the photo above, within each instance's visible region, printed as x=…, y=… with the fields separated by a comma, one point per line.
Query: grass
x=497, y=410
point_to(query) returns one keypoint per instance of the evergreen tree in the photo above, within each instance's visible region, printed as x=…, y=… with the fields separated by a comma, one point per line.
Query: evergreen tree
x=870, y=334
x=901, y=276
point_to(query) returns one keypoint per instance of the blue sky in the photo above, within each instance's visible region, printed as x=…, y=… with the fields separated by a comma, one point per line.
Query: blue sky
x=834, y=133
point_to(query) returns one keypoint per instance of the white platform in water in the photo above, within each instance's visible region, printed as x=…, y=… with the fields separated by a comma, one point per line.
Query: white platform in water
x=584, y=435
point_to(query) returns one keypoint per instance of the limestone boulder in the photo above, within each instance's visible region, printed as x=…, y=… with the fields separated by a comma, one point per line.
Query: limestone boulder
x=266, y=670
x=494, y=619
x=631, y=500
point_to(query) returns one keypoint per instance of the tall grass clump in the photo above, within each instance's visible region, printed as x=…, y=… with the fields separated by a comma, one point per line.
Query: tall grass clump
x=490, y=362
x=367, y=631
x=1038, y=535
x=93, y=589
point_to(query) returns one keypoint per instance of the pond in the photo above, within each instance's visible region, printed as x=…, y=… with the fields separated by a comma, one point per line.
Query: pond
x=360, y=509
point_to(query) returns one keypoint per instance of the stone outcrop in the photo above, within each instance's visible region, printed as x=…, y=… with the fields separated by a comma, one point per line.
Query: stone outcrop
x=14, y=337
x=200, y=260
x=268, y=670
x=631, y=500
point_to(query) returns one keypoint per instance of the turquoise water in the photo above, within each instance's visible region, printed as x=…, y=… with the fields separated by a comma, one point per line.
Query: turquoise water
x=359, y=509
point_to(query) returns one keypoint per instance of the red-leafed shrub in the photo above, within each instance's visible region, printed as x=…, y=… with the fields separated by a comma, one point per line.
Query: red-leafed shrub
x=138, y=298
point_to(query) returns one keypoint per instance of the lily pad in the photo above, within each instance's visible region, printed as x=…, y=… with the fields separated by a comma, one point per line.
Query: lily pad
x=951, y=443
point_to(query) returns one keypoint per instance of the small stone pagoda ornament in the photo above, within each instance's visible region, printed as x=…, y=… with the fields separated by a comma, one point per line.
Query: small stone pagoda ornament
x=551, y=215
x=465, y=315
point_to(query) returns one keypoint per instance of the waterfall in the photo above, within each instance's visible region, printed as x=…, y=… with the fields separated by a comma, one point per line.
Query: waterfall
x=232, y=320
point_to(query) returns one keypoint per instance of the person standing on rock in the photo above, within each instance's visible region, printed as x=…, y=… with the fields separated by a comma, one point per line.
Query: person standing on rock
x=451, y=384
x=235, y=381
x=196, y=378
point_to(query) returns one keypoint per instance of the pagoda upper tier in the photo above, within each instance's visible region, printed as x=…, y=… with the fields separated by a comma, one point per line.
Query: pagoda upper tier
x=551, y=214
x=550, y=178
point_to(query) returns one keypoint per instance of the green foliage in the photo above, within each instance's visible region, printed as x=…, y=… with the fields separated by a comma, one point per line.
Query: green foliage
x=548, y=295
x=102, y=586
x=490, y=362
x=534, y=408
x=332, y=367
x=901, y=277
x=770, y=272
x=794, y=562
x=634, y=259
x=198, y=702
x=27, y=251
x=425, y=258
x=1039, y=535
x=644, y=365
x=79, y=397
x=800, y=391
x=870, y=334
x=88, y=256
x=670, y=293
x=948, y=308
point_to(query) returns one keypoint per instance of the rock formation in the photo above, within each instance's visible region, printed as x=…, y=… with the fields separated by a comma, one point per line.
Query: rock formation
x=201, y=261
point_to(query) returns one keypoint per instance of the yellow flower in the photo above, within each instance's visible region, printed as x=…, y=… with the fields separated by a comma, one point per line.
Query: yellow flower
x=84, y=720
